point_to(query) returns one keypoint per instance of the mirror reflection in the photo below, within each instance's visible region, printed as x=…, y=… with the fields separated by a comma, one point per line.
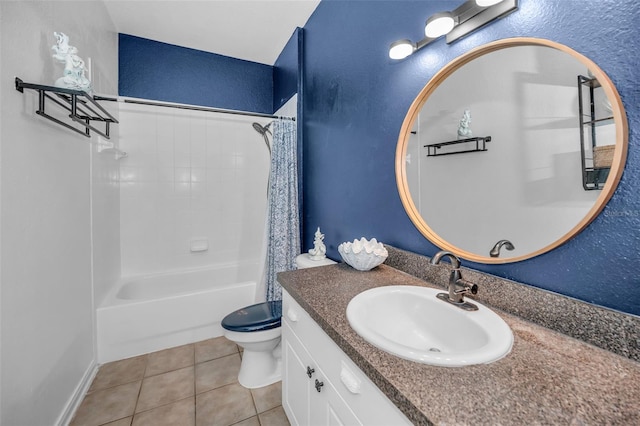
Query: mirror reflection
x=511, y=153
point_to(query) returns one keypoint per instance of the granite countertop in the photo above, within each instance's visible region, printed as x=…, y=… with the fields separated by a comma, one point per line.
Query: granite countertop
x=547, y=378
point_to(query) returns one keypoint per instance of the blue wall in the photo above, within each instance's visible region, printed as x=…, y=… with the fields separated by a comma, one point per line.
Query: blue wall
x=288, y=74
x=285, y=72
x=356, y=99
x=153, y=70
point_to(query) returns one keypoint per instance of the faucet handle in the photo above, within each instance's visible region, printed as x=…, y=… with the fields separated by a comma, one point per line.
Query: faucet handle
x=467, y=286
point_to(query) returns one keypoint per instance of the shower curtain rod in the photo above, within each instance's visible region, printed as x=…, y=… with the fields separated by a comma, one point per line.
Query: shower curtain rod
x=186, y=106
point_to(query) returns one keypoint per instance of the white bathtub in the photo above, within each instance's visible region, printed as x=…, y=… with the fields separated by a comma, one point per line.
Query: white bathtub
x=148, y=313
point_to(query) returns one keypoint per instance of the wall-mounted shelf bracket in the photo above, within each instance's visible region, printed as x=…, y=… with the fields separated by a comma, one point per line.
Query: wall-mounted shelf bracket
x=480, y=145
x=82, y=108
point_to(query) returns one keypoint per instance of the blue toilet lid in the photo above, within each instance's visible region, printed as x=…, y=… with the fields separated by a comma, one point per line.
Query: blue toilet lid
x=261, y=316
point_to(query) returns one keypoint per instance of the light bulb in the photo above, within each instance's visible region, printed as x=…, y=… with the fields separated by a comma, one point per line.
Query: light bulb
x=439, y=24
x=401, y=49
x=487, y=3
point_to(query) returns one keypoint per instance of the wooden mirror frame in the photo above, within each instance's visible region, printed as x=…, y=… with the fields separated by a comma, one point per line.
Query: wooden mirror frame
x=615, y=173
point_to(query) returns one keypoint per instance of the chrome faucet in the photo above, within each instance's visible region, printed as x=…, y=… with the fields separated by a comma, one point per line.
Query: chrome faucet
x=458, y=286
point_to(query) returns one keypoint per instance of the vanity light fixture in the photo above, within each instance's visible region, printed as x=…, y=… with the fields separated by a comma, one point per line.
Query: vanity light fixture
x=401, y=49
x=439, y=24
x=468, y=17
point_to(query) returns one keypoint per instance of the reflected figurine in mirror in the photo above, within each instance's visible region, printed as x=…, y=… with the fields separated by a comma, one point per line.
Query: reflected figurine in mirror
x=464, y=129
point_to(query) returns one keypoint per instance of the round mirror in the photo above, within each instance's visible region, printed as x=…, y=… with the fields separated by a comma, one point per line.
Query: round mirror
x=510, y=150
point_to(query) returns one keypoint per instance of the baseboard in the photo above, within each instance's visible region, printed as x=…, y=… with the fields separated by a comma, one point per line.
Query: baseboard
x=78, y=395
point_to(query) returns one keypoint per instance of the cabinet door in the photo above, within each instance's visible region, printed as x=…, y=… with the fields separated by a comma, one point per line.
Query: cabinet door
x=326, y=406
x=296, y=385
x=356, y=393
x=308, y=397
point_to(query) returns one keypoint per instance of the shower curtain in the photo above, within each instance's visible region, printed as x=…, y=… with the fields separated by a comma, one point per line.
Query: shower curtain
x=283, y=227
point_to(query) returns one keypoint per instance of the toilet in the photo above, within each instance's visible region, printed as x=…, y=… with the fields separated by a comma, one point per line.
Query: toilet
x=257, y=329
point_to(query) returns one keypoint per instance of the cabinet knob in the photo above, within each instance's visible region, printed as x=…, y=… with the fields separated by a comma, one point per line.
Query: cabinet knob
x=310, y=371
x=292, y=315
x=319, y=385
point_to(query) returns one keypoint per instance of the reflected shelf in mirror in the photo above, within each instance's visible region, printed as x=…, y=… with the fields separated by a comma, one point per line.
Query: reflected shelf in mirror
x=480, y=145
x=595, y=147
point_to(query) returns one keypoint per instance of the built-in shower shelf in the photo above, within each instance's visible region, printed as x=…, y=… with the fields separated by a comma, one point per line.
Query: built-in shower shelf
x=433, y=150
x=82, y=107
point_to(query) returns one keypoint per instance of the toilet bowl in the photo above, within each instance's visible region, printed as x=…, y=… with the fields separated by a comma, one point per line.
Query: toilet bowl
x=257, y=329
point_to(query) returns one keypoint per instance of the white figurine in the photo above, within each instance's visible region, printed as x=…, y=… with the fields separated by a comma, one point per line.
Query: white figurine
x=464, y=129
x=73, y=65
x=318, y=252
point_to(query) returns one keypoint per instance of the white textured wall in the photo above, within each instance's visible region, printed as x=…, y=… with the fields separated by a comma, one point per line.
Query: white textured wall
x=47, y=335
x=530, y=177
x=190, y=175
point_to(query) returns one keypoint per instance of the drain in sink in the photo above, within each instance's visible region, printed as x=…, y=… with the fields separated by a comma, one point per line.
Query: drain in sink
x=434, y=350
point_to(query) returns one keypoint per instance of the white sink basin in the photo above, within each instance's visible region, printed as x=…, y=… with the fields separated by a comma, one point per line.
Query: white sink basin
x=410, y=322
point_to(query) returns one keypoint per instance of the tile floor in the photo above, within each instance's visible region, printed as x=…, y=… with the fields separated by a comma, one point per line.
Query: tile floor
x=195, y=384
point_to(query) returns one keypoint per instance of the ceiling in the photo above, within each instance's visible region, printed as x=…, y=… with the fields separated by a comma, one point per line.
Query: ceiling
x=253, y=30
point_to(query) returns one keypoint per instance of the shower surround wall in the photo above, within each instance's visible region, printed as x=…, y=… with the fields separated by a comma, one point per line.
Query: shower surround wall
x=190, y=175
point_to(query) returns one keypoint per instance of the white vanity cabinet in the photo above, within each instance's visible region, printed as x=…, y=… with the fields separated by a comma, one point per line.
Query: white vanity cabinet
x=320, y=384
